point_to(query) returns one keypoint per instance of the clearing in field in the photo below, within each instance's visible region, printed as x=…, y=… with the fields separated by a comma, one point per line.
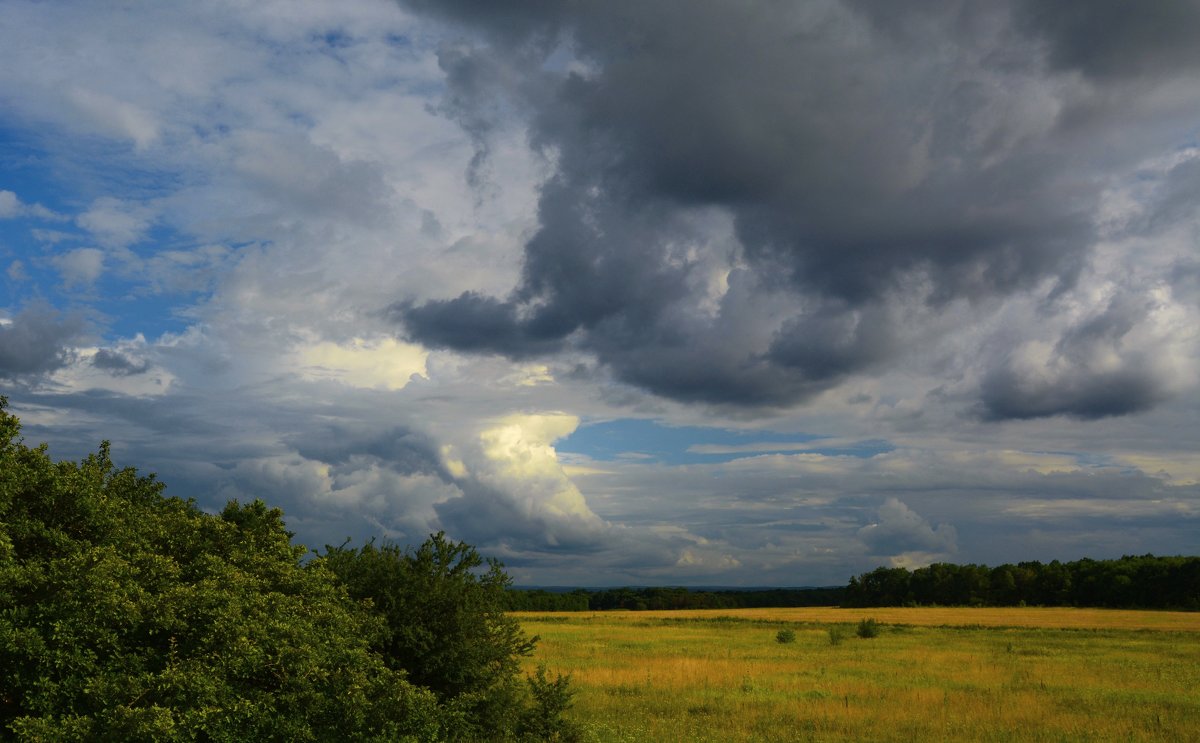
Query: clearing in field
x=930, y=674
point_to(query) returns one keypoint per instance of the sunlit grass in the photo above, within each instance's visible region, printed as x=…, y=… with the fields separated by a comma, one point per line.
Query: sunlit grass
x=932, y=674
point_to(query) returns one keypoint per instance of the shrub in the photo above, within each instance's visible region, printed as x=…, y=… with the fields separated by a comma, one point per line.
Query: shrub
x=836, y=635
x=868, y=628
x=543, y=719
x=446, y=629
x=785, y=636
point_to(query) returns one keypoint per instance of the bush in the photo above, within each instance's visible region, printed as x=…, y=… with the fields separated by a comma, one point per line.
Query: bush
x=446, y=628
x=836, y=635
x=868, y=628
x=543, y=719
x=785, y=636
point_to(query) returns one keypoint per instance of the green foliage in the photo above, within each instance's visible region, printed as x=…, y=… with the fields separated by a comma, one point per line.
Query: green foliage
x=868, y=628
x=443, y=607
x=785, y=636
x=445, y=622
x=1145, y=582
x=127, y=615
x=836, y=635
x=543, y=719
x=542, y=600
x=663, y=598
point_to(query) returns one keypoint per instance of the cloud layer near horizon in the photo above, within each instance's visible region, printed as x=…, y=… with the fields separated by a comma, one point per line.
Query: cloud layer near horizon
x=845, y=282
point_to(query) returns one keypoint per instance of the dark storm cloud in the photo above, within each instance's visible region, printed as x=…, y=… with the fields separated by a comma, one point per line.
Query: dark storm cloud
x=490, y=520
x=1116, y=38
x=1007, y=393
x=863, y=150
x=473, y=322
x=834, y=341
x=36, y=341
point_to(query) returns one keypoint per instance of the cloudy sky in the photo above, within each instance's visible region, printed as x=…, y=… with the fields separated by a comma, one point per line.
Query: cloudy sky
x=622, y=292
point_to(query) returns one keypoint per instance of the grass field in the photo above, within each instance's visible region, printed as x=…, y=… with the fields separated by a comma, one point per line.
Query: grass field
x=931, y=675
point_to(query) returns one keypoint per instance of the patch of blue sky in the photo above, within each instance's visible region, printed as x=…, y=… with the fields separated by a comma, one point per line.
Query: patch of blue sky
x=115, y=307
x=150, y=315
x=27, y=250
x=118, y=301
x=1084, y=459
x=25, y=169
x=67, y=170
x=640, y=439
x=56, y=179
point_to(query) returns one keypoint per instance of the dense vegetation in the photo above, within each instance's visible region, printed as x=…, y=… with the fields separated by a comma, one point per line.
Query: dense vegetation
x=127, y=615
x=1145, y=582
x=445, y=626
x=640, y=599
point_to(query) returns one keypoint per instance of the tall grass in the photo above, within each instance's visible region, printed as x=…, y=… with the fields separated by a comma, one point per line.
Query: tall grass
x=930, y=674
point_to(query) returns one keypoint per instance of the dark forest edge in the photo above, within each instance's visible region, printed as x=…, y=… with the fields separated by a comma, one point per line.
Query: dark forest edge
x=661, y=598
x=1131, y=582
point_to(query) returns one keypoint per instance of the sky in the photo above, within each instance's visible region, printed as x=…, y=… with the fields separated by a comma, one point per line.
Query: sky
x=684, y=292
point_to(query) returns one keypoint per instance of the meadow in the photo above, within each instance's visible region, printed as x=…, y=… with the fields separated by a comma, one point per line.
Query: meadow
x=931, y=674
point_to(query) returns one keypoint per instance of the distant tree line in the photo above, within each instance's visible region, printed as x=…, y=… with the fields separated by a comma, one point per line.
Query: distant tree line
x=658, y=598
x=1132, y=582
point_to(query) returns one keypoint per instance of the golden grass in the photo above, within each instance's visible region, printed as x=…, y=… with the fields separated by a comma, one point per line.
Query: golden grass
x=1043, y=617
x=933, y=674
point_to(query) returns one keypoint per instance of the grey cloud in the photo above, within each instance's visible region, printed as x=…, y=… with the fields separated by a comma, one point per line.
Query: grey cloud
x=404, y=451
x=183, y=419
x=473, y=322
x=1080, y=378
x=1178, y=200
x=118, y=364
x=856, y=165
x=312, y=179
x=492, y=519
x=36, y=341
x=898, y=529
x=1007, y=393
x=834, y=341
x=1111, y=38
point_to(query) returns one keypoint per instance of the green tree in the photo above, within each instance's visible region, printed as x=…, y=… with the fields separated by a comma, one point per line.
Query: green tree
x=444, y=609
x=127, y=615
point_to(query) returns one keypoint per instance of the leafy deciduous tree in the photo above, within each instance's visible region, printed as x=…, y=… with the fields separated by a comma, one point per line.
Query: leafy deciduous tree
x=444, y=607
x=126, y=615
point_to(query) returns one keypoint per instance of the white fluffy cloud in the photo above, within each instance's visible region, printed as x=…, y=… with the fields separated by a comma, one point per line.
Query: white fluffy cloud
x=80, y=267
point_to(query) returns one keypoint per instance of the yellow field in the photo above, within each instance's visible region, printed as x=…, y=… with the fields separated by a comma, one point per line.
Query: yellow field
x=933, y=674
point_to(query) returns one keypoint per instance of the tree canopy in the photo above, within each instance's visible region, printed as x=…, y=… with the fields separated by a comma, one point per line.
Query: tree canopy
x=443, y=606
x=1132, y=582
x=129, y=615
